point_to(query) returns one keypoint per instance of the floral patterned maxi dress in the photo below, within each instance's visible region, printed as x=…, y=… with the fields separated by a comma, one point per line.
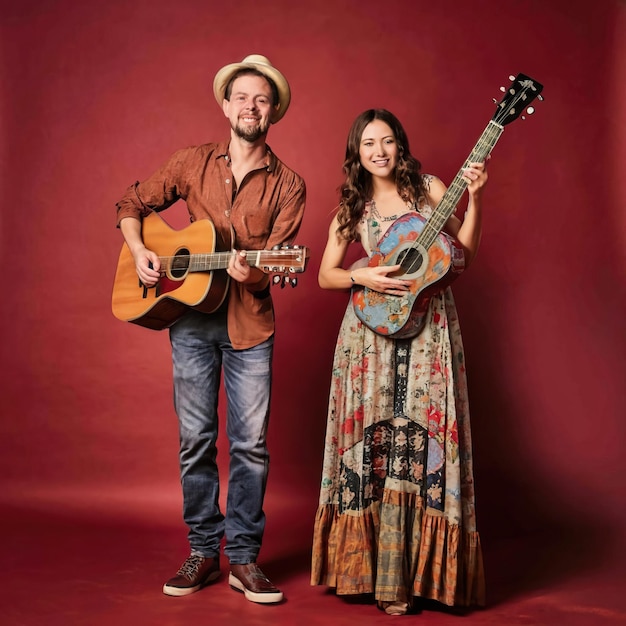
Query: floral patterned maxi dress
x=396, y=515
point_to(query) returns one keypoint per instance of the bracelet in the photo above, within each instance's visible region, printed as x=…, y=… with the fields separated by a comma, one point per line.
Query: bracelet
x=352, y=278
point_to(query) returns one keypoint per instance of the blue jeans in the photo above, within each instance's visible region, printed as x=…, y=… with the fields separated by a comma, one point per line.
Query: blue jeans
x=201, y=349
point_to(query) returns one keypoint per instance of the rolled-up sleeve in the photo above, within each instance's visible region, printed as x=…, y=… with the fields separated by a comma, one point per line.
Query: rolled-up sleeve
x=290, y=213
x=157, y=192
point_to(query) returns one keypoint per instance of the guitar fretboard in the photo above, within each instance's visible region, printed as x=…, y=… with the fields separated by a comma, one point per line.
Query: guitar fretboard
x=451, y=197
x=200, y=262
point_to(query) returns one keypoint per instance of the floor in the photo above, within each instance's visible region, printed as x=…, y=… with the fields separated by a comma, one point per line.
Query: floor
x=73, y=560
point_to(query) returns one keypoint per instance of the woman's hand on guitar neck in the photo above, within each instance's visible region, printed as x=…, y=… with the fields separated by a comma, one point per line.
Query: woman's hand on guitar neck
x=469, y=231
x=378, y=279
x=476, y=176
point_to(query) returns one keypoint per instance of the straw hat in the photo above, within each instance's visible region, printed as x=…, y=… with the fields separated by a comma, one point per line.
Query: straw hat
x=263, y=65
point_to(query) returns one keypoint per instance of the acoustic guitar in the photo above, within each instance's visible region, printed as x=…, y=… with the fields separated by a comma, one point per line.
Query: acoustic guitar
x=192, y=260
x=429, y=258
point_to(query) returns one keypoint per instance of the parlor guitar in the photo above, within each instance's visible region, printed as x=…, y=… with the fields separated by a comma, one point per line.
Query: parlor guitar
x=192, y=260
x=426, y=255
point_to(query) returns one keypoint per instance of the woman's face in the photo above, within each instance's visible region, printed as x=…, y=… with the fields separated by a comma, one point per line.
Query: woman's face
x=378, y=151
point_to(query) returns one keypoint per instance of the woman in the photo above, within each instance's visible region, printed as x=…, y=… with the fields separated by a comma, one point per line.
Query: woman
x=396, y=516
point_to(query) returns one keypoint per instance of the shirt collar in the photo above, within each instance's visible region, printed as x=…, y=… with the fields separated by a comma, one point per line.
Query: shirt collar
x=270, y=161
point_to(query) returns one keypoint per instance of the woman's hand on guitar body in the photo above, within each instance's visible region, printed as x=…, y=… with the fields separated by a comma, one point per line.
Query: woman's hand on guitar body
x=378, y=279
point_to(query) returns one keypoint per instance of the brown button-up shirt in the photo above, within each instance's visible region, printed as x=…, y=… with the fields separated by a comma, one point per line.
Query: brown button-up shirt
x=265, y=210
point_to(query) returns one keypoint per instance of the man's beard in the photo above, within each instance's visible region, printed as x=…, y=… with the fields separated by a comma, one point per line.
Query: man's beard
x=250, y=133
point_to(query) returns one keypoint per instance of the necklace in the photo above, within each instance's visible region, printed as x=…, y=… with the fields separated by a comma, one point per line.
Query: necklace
x=386, y=218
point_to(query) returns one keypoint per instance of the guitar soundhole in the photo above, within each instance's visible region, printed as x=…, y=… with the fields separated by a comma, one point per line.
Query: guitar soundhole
x=180, y=264
x=410, y=260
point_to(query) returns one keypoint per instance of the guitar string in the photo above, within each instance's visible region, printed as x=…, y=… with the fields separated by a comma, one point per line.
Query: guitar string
x=457, y=187
x=483, y=147
x=432, y=227
x=219, y=260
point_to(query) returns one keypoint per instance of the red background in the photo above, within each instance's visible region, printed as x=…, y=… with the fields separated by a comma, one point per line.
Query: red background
x=97, y=96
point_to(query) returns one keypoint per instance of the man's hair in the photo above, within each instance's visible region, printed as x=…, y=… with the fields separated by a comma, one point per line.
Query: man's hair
x=250, y=71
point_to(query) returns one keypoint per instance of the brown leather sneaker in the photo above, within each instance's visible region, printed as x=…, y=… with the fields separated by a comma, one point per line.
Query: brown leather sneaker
x=196, y=572
x=254, y=584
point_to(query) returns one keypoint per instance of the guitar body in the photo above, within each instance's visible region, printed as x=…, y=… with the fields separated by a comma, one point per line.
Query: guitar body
x=429, y=258
x=178, y=290
x=429, y=271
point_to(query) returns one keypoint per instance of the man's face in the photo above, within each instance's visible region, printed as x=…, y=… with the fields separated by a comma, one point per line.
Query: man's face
x=249, y=107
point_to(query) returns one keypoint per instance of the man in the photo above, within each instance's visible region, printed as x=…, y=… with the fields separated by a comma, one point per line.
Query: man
x=238, y=184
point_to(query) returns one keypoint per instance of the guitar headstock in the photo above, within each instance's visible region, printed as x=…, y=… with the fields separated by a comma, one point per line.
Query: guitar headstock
x=517, y=98
x=284, y=261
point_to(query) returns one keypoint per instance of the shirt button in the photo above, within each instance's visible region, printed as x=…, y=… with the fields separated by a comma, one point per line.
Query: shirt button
x=227, y=181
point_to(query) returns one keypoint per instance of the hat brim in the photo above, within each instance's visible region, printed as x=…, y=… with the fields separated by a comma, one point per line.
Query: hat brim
x=223, y=76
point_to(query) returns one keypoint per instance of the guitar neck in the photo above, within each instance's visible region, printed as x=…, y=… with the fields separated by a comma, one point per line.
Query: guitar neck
x=447, y=204
x=206, y=262
x=209, y=261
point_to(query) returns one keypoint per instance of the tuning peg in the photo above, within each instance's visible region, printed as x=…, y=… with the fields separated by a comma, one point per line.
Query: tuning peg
x=283, y=282
x=529, y=111
x=502, y=89
x=511, y=77
x=540, y=98
x=276, y=247
x=293, y=281
x=275, y=279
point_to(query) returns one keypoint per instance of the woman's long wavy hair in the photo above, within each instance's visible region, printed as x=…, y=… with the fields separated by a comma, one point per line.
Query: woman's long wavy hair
x=357, y=188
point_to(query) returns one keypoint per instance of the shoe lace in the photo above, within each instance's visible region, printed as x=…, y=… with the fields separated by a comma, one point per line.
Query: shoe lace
x=191, y=566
